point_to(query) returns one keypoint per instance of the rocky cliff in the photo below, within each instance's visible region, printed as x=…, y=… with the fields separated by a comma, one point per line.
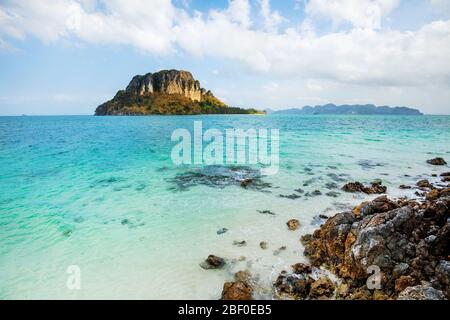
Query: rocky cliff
x=166, y=92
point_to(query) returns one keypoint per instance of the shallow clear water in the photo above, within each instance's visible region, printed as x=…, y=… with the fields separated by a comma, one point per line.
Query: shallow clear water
x=102, y=193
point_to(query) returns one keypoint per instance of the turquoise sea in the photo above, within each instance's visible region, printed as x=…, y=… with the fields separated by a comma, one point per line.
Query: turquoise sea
x=102, y=193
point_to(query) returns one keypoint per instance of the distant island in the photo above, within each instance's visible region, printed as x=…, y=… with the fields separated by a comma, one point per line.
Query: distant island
x=368, y=109
x=167, y=92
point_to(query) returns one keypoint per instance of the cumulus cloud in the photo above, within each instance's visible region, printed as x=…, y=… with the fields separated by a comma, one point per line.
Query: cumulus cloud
x=363, y=54
x=359, y=13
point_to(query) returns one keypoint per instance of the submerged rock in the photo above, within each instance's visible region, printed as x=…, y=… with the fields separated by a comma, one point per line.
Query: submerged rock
x=266, y=212
x=290, y=196
x=220, y=177
x=263, y=245
x=245, y=183
x=213, y=262
x=437, y=161
x=332, y=194
x=242, y=243
x=279, y=250
x=222, y=231
x=293, y=224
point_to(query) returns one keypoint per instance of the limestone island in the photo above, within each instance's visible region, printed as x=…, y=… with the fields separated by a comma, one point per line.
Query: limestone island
x=167, y=92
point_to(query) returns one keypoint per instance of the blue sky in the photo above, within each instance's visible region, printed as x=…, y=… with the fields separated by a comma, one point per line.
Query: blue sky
x=68, y=56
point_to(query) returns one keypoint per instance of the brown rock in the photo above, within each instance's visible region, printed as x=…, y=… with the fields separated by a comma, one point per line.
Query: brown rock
x=380, y=295
x=243, y=276
x=342, y=291
x=437, y=161
x=238, y=290
x=360, y=294
x=293, y=224
x=301, y=268
x=292, y=286
x=424, y=184
x=405, y=187
x=354, y=187
x=213, y=262
x=375, y=188
x=445, y=174
x=263, y=245
x=432, y=195
x=403, y=282
x=323, y=287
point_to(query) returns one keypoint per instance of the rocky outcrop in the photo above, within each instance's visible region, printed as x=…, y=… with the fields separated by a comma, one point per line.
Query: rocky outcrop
x=375, y=188
x=165, y=92
x=302, y=283
x=408, y=241
x=240, y=288
x=168, y=82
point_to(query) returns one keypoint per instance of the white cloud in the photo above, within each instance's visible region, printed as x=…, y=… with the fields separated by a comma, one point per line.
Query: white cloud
x=239, y=11
x=359, y=13
x=365, y=55
x=271, y=18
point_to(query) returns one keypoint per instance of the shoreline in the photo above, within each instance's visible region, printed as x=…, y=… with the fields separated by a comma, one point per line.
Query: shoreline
x=382, y=249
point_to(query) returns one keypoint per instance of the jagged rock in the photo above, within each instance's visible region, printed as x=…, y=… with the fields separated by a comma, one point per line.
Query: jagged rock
x=404, y=187
x=322, y=288
x=301, y=268
x=380, y=295
x=375, y=188
x=292, y=286
x=445, y=174
x=293, y=224
x=421, y=292
x=353, y=187
x=165, y=92
x=237, y=290
x=405, y=242
x=213, y=262
x=380, y=204
x=424, y=184
x=403, y=282
x=432, y=195
x=443, y=275
x=437, y=162
x=360, y=294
